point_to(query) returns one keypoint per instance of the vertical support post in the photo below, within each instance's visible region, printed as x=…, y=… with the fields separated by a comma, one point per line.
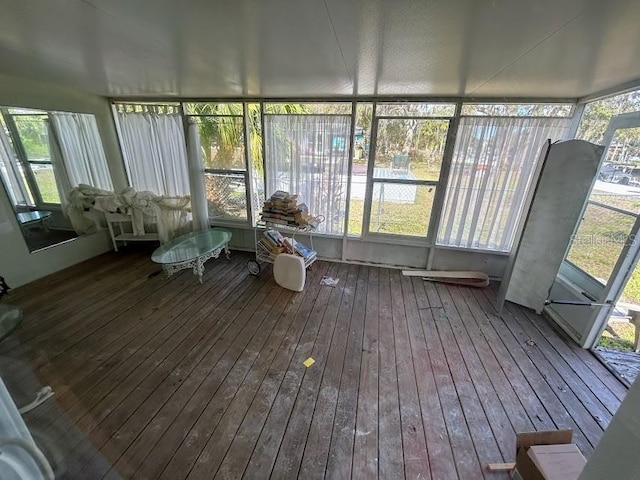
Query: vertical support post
x=352, y=130
x=443, y=181
x=370, y=170
x=199, y=208
x=248, y=178
x=264, y=149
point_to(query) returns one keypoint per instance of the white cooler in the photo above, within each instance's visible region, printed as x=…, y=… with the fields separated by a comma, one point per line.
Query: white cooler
x=289, y=272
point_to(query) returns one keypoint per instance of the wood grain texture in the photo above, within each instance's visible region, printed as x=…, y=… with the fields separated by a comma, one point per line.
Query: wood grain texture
x=365, y=449
x=167, y=378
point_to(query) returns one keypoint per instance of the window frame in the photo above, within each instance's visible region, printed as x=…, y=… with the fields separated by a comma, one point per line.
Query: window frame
x=584, y=280
x=592, y=281
x=429, y=238
x=23, y=157
x=246, y=173
x=351, y=115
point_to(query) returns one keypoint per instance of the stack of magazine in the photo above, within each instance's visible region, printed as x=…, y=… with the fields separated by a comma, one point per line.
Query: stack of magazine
x=274, y=243
x=284, y=209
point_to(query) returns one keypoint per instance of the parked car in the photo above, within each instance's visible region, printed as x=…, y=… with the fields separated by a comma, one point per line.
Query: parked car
x=609, y=173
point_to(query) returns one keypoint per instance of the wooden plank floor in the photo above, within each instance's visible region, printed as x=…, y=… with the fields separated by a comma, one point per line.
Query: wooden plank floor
x=170, y=379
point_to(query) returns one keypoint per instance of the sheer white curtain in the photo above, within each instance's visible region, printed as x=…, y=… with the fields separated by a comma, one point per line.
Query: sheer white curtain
x=492, y=167
x=153, y=147
x=61, y=174
x=81, y=150
x=12, y=173
x=309, y=155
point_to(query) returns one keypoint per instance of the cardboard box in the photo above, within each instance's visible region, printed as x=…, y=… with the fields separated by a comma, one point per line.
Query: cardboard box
x=557, y=462
x=547, y=456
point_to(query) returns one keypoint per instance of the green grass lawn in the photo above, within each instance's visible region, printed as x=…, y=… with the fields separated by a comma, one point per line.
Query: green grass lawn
x=397, y=217
x=619, y=335
x=600, y=239
x=47, y=185
x=596, y=248
x=623, y=202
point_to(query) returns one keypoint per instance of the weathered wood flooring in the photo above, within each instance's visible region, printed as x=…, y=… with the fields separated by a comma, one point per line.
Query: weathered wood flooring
x=170, y=379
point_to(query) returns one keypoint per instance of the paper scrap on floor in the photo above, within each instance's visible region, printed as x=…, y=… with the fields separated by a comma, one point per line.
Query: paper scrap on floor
x=308, y=362
x=330, y=281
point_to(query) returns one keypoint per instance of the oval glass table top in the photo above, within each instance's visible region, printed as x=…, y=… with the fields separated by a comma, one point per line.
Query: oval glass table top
x=190, y=246
x=31, y=217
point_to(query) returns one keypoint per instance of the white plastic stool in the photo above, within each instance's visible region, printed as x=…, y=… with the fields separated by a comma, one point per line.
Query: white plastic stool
x=289, y=272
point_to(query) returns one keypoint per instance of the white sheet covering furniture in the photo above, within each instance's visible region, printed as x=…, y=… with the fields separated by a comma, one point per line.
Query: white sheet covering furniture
x=169, y=214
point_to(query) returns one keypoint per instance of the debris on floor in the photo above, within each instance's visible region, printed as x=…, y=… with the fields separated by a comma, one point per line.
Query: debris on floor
x=470, y=279
x=329, y=281
x=308, y=362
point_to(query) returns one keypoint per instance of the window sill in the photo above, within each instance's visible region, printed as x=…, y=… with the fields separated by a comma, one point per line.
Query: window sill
x=475, y=250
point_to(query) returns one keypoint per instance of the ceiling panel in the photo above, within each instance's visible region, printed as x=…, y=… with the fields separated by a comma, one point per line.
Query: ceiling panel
x=316, y=48
x=597, y=50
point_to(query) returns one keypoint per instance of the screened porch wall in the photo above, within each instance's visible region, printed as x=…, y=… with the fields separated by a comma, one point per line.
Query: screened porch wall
x=385, y=253
x=371, y=244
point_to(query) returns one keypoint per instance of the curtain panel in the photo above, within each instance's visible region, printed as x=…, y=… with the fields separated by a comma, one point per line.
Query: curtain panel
x=154, y=151
x=12, y=173
x=492, y=168
x=309, y=155
x=60, y=172
x=82, y=158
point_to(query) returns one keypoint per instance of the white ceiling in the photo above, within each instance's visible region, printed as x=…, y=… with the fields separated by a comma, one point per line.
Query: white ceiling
x=315, y=48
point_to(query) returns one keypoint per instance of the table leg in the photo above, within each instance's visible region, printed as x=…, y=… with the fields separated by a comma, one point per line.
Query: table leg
x=199, y=268
x=167, y=271
x=197, y=264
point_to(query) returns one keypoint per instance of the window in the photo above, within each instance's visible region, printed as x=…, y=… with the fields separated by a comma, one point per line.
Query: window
x=401, y=209
x=30, y=130
x=413, y=110
x=517, y=109
x=410, y=144
x=599, y=240
x=46, y=154
x=308, y=154
x=612, y=209
x=396, y=182
x=492, y=167
x=221, y=132
x=596, y=116
x=13, y=173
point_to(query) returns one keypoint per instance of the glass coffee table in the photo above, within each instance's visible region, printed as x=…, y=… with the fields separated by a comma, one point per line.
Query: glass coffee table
x=192, y=250
x=35, y=217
